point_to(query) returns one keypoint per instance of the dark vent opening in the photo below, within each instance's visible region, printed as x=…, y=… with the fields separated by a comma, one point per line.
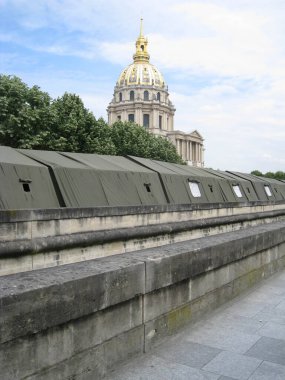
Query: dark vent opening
x=147, y=186
x=26, y=187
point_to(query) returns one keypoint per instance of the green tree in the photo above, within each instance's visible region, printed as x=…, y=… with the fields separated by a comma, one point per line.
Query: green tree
x=30, y=119
x=24, y=112
x=132, y=139
x=257, y=172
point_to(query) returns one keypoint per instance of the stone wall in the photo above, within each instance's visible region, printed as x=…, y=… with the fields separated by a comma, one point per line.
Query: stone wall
x=78, y=321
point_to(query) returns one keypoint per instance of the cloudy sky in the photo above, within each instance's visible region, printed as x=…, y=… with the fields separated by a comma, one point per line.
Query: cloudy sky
x=223, y=60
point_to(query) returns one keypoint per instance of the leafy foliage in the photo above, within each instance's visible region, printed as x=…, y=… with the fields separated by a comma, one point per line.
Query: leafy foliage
x=131, y=139
x=31, y=119
x=277, y=175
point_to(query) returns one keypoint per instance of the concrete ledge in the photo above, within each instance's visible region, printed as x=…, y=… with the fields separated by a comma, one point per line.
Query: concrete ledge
x=61, y=242
x=31, y=302
x=68, y=213
x=77, y=321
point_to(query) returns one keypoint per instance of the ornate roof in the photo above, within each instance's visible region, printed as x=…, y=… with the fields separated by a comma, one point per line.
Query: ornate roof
x=141, y=72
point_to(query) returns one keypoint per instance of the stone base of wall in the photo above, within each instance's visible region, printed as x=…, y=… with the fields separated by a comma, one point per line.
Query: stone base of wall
x=79, y=321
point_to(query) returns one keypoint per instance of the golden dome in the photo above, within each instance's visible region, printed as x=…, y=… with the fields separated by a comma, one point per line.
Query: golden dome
x=141, y=72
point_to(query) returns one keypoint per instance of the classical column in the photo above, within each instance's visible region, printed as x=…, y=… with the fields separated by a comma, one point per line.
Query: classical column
x=184, y=152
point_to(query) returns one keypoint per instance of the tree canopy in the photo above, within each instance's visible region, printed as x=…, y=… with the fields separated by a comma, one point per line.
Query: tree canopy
x=277, y=175
x=31, y=119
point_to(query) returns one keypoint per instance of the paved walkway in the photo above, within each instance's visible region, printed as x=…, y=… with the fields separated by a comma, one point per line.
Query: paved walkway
x=244, y=339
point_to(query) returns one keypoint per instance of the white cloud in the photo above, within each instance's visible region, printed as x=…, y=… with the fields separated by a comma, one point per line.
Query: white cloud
x=225, y=61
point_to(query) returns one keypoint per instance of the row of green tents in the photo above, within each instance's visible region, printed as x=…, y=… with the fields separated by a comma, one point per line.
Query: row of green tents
x=31, y=179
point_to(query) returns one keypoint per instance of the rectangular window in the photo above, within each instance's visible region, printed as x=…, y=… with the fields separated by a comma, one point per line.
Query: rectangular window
x=160, y=122
x=131, y=117
x=195, y=190
x=267, y=190
x=237, y=191
x=146, y=120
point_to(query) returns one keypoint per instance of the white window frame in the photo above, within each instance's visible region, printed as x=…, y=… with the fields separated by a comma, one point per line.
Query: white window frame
x=195, y=189
x=237, y=191
x=268, y=190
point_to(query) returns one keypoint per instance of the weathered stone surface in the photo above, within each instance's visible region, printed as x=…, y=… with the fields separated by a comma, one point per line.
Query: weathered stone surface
x=34, y=301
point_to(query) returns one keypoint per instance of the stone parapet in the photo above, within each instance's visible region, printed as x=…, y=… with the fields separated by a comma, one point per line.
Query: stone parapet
x=79, y=320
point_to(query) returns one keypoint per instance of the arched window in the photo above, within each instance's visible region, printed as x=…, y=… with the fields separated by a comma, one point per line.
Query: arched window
x=120, y=97
x=158, y=96
x=132, y=95
x=145, y=95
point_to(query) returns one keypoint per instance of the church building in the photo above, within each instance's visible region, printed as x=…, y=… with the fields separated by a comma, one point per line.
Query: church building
x=141, y=96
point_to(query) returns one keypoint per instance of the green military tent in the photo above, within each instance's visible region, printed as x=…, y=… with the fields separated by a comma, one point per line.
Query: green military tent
x=278, y=187
x=124, y=182
x=263, y=190
x=242, y=189
x=24, y=183
x=184, y=184
x=77, y=184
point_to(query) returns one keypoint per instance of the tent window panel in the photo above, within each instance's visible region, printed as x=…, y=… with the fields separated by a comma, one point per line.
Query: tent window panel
x=237, y=191
x=267, y=190
x=195, y=189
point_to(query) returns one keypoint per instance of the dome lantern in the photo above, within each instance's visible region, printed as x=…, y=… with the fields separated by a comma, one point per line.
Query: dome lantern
x=141, y=55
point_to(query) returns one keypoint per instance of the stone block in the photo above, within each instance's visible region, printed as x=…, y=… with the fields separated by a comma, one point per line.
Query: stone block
x=34, y=301
x=24, y=356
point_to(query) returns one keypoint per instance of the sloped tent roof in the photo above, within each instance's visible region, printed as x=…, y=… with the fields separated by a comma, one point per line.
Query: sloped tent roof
x=181, y=182
x=78, y=185
x=247, y=192
x=258, y=185
x=217, y=189
x=124, y=182
x=24, y=183
x=277, y=186
x=174, y=183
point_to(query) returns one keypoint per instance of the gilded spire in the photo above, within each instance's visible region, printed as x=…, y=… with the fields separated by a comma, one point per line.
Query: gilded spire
x=141, y=29
x=141, y=54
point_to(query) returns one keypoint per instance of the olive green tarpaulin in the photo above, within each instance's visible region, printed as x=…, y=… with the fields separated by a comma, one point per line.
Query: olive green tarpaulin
x=277, y=187
x=262, y=192
x=77, y=184
x=89, y=180
x=242, y=189
x=124, y=182
x=24, y=183
x=184, y=184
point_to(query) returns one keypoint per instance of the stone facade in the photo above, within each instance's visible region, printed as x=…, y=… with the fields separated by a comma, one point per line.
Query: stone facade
x=141, y=96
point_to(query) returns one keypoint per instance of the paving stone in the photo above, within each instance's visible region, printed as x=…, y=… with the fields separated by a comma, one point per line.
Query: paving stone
x=269, y=349
x=188, y=353
x=222, y=338
x=264, y=297
x=155, y=368
x=236, y=322
x=273, y=330
x=247, y=308
x=225, y=378
x=233, y=365
x=268, y=371
x=281, y=306
x=271, y=315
